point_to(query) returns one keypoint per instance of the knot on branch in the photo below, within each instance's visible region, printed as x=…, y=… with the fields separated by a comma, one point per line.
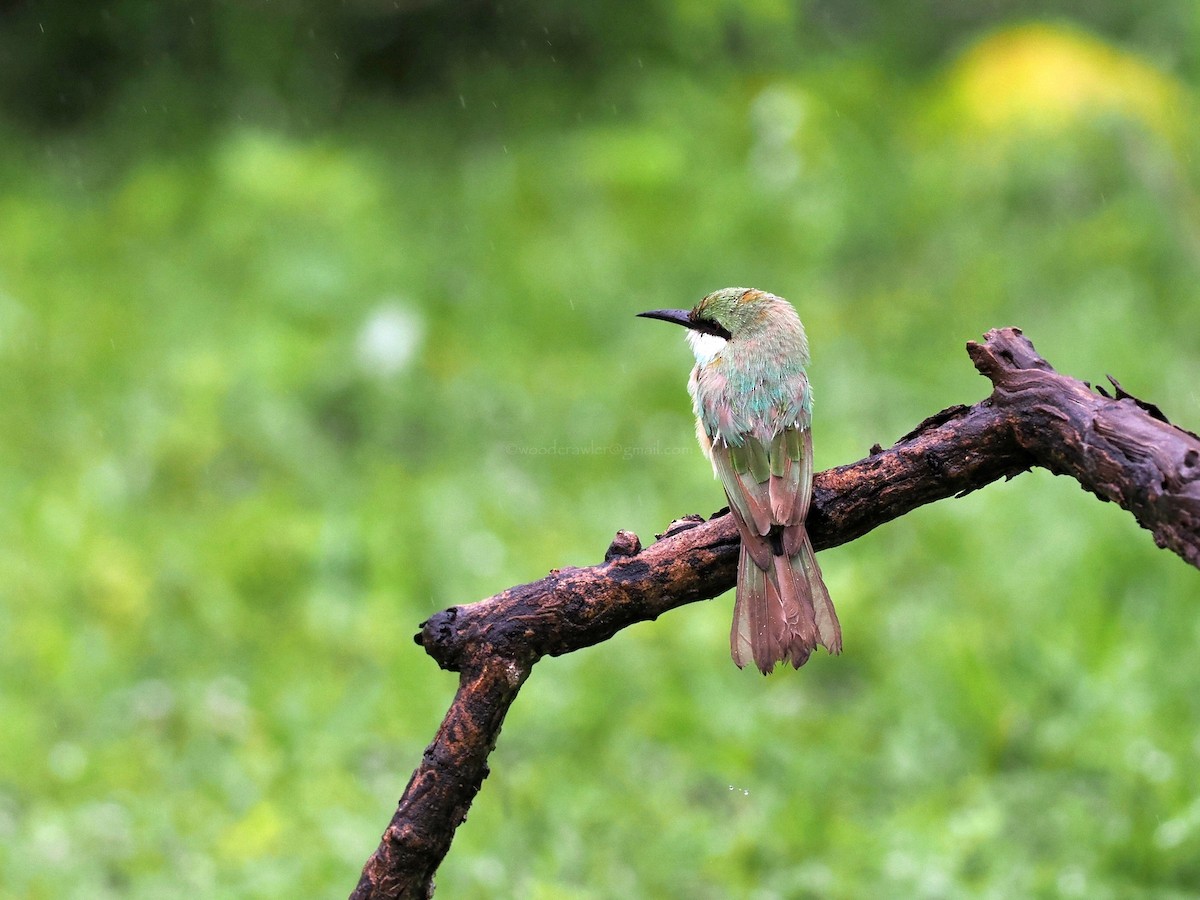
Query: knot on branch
x=626, y=543
x=1004, y=354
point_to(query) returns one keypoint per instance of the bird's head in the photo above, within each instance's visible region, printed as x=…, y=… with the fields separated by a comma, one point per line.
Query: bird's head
x=730, y=314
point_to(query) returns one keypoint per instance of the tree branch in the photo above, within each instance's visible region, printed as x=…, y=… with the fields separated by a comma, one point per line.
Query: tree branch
x=1118, y=447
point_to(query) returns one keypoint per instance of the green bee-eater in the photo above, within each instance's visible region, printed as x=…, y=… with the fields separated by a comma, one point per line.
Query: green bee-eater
x=753, y=409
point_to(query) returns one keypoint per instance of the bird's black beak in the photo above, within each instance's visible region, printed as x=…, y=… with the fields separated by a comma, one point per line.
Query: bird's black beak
x=678, y=316
x=684, y=318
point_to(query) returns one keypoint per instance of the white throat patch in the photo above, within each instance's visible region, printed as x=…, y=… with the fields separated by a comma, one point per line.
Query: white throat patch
x=705, y=346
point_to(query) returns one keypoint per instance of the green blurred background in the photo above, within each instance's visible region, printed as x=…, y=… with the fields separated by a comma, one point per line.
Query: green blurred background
x=318, y=318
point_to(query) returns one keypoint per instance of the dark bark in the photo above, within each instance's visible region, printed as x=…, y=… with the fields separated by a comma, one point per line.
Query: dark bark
x=1119, y=448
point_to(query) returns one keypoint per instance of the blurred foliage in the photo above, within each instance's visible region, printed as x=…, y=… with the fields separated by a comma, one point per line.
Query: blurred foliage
x=315, y=319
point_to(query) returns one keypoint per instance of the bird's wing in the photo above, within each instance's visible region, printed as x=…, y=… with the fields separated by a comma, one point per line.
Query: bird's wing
x=767, y=485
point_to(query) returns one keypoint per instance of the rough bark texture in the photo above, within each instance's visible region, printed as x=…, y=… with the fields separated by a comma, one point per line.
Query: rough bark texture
x=1119, y=448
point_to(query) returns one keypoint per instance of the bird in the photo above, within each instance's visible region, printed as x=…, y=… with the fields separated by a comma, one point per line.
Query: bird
x=753, y=407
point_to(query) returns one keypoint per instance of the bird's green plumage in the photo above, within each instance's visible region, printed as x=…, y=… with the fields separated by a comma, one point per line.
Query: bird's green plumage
x=753, y=406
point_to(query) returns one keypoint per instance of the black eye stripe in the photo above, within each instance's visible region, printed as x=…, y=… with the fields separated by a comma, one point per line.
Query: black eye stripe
x=708, y=326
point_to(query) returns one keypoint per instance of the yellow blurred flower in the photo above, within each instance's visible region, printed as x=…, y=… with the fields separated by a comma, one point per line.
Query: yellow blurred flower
x=1047, y=76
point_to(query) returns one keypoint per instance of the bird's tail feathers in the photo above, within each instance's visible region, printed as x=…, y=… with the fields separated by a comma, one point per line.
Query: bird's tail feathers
x=783, y=613
x=829, y=628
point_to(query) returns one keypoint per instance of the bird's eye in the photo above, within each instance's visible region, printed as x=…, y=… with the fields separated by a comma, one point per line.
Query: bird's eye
x=709, y=326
